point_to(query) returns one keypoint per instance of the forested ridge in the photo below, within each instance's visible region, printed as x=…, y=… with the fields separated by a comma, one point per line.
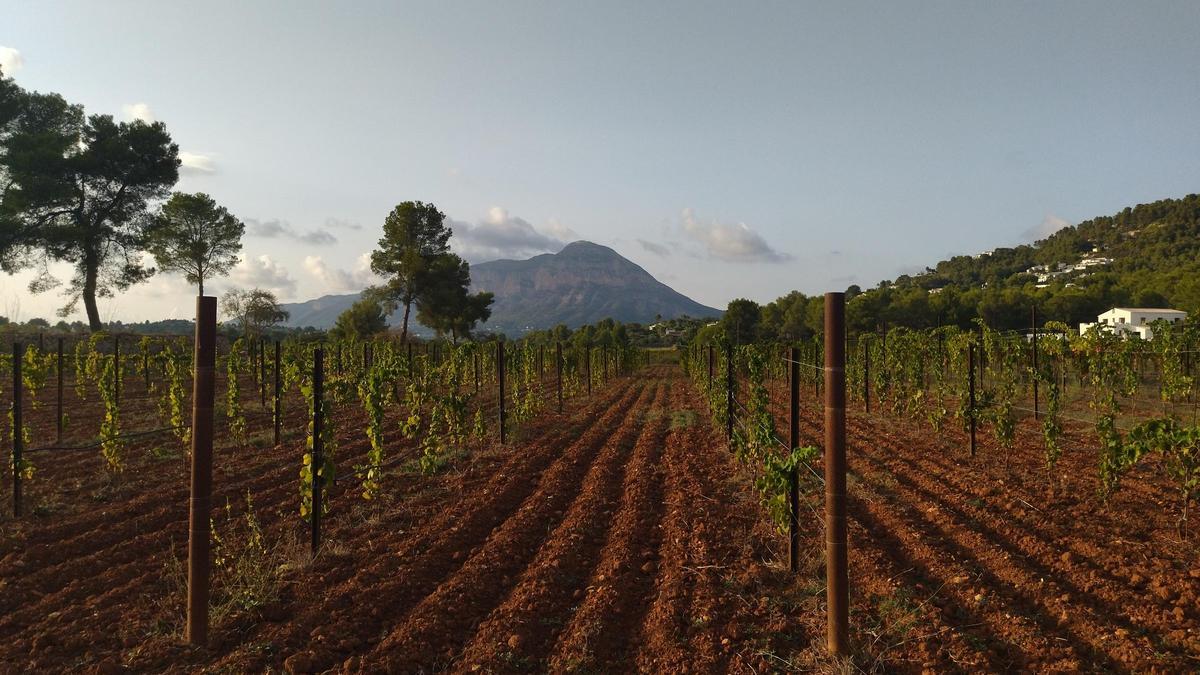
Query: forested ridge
x=1145, y=256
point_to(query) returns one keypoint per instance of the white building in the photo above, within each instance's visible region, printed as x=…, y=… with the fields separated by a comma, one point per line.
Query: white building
x=1134, y=320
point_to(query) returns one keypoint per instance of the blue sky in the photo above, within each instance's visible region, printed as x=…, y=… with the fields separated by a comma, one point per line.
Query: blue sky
x=731, y=149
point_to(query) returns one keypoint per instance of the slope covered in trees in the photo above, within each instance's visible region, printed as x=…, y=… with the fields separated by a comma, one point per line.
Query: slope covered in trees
x=1146, y=256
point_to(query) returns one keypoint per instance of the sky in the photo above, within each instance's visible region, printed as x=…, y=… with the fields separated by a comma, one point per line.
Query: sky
x=731, y=149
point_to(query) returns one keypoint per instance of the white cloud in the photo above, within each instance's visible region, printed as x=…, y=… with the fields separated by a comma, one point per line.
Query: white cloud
x=501, y=235
x=730, y=243
x=10, y=61
x=137, y=111
x=281, y=229
x=196, y=163
x=1049, y=225
x=263, y=272
x=339, y=280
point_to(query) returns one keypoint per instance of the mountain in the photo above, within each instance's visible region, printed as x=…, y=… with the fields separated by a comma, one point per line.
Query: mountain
x=580, y=284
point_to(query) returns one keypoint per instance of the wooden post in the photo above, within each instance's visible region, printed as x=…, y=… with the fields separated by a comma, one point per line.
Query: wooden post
x=794, y=475
x=837, y=576
x=277, y=418
x=203, y=395
x=58, y=422
x=18, y=440
x=318, y=445
x=476, y=371
x=587, y=359
x=500, y=383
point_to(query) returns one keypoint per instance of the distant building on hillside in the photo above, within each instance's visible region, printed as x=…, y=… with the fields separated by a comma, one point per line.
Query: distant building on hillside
x=1134, y=320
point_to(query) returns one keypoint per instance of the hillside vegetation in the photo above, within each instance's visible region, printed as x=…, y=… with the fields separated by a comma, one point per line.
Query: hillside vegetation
x=1144, y=256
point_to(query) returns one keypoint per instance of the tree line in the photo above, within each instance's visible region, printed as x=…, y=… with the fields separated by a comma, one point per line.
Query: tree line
x=96, y=194
x=1154, y=251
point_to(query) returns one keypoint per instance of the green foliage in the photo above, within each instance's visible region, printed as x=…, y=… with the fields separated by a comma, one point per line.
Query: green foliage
x=111, y=445
x=445, y=304
x=741, y=320
x=235, y=365
x=172, y=401
x=414, y=237
x=372, y=389
x=364, y=319
x=325, y=472
x=35, y=368
x=255, y=310
x=1180, y=447
x=196, y=237
x=78, y=190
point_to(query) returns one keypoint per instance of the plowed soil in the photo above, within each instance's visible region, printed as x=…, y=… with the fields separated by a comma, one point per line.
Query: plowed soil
x=619, y=536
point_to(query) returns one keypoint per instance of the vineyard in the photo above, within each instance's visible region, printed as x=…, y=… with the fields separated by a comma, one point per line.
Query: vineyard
x=1014, y=501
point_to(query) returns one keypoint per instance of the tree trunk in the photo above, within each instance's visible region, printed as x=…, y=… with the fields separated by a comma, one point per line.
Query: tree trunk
x=404, y=328
x=90, y=273
x=201, y=287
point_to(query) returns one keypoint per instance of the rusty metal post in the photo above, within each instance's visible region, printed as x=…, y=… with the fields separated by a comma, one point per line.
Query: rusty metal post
x=318, y=444
x=500, y=381
x=203, y=394
x=58, y=422
x=587, y=359
x=794, y=474
x=971, y=391
x=729, y=391
x=276, y=417
x=866, y=373
x=18, y=439
x=1036, y=412
x=838, y=584
x=558, y=364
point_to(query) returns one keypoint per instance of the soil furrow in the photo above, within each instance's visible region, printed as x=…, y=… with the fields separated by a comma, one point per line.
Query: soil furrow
x=560, y=506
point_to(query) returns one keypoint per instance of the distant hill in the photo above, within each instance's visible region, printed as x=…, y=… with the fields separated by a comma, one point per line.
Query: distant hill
x=580, y=284
x=1143, y=256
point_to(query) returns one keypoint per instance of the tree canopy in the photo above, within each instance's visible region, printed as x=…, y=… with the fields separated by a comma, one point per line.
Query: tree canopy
x=414, y=237
x=254, y=310
x=196, y=237
x=78, y=189
x=446, y=305
x=362, y=320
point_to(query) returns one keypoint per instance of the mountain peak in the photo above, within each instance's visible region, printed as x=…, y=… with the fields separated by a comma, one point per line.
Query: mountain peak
x=582, y=247
x=582, y=283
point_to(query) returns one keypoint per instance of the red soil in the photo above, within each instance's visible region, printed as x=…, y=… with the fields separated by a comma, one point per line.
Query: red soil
x=620, y=536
